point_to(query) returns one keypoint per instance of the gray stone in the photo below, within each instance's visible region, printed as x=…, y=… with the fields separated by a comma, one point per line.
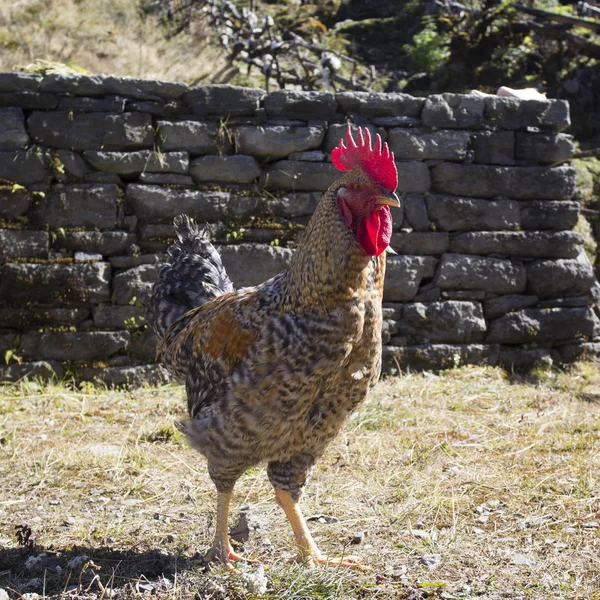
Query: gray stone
x=166, y=179
x=126, y=377
x=29, y=100
x=548, y=214
x=225, y=169
x=395, y=121
x=130, y=222
x=45, y=370
x=337, y=132
x=570, y=302
x=24, y=167
x=493, y=147
x=451, y=213
x=313, y=156
x=398, y=216
x=143, y=345
x=96, y=85
x=513, y=113
x=453, y=111
x=99, y=177
x=118, y=317
x=494, y=275
x=65, y=284
x=251, y=264
x=496, y=307
x=8, y=341
x=544, y=148
x=300, y=104
x=392, y=310
x=160, y=108
x=463, y=295
x=31, y=318
x=434, y=357
x=388, y=328
x=536, y=244
x=271, y=142
x=521, y=183
x=13, y=204
x=420, y=242
x=370, y=104
x=223, y=100
x=543, y=325
x=558, y=277
x=130, y=286
x=422, y=144
x=415, y=212
x=20, y=243
x=77, y=205
x=68, y=345
x=83, y=104
x=156, y=232
x=584, y=351
x=413, y=177
x=300, y=204
x=106, y=243
x=403, y=276
x=127, y=262
x=133, y=163
x=72, y=163
x=442, y=322
x=428, y=294
x=152, y=203
x=19, y=82
x=523, y=359
x=86, y=257
x=195, y=137
x=92, y=131
x=12, y=129
x=296, y=175
x=261, y=235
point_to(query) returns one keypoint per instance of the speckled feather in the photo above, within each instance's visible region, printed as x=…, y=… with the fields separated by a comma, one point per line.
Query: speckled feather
x=272, y=372
x=195, y=275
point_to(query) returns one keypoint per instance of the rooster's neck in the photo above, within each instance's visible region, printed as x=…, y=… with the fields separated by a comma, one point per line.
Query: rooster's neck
x=329, y=265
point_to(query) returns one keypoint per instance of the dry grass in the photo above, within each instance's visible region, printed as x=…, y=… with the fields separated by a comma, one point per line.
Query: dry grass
x=496, y=475
x=100, y=36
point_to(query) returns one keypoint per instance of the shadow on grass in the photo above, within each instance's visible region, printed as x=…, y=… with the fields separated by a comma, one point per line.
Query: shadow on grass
x=84, y=569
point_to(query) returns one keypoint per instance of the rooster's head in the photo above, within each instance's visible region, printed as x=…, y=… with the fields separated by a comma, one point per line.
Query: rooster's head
x=367, y=191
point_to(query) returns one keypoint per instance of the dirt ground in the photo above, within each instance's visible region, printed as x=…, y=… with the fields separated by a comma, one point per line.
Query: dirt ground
x=473, y=483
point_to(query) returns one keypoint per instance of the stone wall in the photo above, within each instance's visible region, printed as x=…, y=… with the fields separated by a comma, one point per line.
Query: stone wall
x=93, y=170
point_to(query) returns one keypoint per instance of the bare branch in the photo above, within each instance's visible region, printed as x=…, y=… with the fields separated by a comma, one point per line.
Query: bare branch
x=587, y=153
x=571, y=21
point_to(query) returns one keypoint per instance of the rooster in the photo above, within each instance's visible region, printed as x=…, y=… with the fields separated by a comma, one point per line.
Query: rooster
x=273, y=371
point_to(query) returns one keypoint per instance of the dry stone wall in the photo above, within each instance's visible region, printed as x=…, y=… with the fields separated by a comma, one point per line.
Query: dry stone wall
x=93, y=169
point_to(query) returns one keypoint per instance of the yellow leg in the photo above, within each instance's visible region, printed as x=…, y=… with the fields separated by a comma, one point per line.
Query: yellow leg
x=308, y=551
x=221, y=549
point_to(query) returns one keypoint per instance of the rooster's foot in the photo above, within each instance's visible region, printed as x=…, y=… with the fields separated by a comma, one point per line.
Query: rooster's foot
x=351, y=562
x=223, y=554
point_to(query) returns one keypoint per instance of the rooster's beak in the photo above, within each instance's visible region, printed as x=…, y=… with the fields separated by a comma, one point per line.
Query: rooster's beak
x=390, y=199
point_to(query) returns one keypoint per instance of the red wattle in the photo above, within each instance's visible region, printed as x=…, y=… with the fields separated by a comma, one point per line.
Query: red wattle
x=375, y=231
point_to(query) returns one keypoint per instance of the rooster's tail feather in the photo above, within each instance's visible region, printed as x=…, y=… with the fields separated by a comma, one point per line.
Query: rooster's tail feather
x=194, y=275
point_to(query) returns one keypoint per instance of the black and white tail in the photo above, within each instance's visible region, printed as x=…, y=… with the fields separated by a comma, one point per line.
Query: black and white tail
x=194, y=275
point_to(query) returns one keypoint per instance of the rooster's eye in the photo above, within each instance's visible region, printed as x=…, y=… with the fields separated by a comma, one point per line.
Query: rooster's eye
x=358, y=187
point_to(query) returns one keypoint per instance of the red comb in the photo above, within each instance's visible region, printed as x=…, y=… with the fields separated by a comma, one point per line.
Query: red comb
x=378, y=162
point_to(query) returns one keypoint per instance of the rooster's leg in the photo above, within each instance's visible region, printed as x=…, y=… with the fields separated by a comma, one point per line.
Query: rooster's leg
x=308, y=550
x=221, y=549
